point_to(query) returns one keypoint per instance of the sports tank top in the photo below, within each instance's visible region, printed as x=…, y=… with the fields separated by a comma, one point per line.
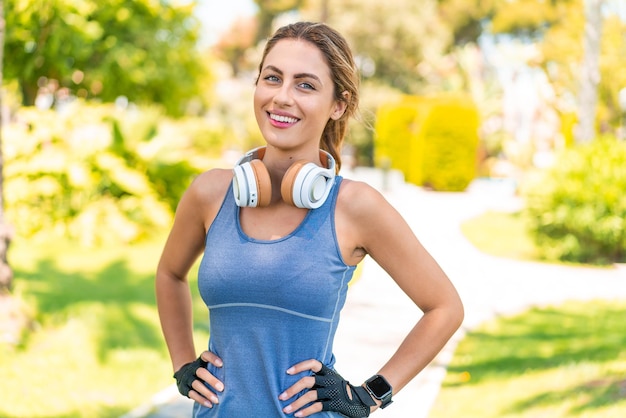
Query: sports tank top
x=272, y=304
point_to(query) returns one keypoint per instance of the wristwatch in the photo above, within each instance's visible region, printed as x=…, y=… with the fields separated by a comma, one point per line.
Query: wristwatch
x=379, y=388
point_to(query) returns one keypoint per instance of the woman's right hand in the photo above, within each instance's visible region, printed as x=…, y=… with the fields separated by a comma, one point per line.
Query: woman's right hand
x=191, y=379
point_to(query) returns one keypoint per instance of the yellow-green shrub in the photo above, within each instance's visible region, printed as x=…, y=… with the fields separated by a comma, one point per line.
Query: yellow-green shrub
x=97, y=174
x=568, y=123
x=432, y=140
x=576, y=209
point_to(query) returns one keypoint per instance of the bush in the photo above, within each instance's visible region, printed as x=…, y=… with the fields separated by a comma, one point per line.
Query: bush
x=577, y=209
x=433, y=141
x=98, y=174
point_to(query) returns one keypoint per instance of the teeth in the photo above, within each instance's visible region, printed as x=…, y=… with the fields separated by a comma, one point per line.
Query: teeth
x=283, y=119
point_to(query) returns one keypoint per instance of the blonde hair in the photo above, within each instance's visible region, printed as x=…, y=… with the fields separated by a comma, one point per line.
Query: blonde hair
x=343, y=72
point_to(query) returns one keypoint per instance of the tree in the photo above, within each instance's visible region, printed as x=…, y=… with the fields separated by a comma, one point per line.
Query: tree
x=581, y=44
x=268, y=11
x=232, y=46
x=141, y=49
x=589, y=72
x=466, y=17
x=399, y=40
x=6, y=274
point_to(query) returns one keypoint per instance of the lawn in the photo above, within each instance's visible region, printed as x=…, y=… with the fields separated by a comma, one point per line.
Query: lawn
x=556, y=362
x=502, y=234
x=95, y=349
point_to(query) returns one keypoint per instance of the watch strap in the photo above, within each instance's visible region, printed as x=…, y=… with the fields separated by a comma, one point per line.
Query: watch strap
x=364, y=395
x=386, y=401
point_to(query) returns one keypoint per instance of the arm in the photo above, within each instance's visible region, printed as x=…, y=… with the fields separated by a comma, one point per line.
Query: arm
x=367, y=224
x=389, y=240
x=195, y=212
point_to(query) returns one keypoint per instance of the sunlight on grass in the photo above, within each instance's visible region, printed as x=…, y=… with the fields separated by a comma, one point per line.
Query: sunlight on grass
x=96, y=349
x=504, y=234
x=500, y=234
x=565, y=361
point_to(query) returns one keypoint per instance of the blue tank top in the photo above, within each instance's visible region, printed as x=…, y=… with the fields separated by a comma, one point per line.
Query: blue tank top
x=272, y=304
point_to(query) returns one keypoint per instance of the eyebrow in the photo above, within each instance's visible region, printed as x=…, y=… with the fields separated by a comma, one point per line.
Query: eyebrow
x=299, y=75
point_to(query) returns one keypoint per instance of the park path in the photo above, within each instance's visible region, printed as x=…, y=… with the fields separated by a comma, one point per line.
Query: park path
x=377, y=315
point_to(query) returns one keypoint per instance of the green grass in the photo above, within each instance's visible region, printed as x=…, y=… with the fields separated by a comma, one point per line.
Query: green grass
x=500, y=234
x=96, y=349
x=504, y=234
x=565, y=361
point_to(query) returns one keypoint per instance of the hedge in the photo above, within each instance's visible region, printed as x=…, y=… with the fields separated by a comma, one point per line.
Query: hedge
x=432, y=140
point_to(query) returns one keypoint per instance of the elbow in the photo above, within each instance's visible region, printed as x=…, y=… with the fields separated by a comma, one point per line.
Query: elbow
x=457, y=313
x=452, y=314
x=460, y=314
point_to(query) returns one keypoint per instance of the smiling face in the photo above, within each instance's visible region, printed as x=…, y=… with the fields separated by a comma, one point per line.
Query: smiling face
x=295, y=95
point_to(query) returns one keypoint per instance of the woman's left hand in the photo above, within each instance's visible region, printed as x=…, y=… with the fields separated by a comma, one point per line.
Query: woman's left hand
x=306, y=382
x=328, y=391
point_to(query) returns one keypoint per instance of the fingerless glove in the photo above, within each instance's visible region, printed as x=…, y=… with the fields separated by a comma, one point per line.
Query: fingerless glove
x=186, y=375
x=332, y=392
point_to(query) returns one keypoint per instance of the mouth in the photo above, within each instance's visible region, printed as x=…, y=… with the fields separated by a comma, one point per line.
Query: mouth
x=281, y=120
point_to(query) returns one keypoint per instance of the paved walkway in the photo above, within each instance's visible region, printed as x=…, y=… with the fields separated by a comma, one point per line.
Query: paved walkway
x=378, y=315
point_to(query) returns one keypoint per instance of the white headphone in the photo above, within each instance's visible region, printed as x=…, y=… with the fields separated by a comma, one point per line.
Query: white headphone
x=305, y=184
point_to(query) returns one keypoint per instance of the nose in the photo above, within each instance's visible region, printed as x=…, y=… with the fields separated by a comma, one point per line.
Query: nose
x=283, y=96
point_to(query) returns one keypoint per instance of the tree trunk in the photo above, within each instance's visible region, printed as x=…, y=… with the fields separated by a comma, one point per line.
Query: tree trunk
x=6, y=274
x=590, y=72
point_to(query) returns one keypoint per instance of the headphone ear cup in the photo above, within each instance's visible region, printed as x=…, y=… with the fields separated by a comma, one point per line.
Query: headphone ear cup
x=306, y=185
x=263, y=182
x=289, y=180
x=251, y=184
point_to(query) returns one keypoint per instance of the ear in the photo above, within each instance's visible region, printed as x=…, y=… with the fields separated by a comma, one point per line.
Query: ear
x=340, y=106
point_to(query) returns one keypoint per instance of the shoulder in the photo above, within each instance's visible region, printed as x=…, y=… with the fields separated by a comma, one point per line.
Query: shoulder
x=205, y=195
x=211, y=185
x=359, y=198
x=367, y=210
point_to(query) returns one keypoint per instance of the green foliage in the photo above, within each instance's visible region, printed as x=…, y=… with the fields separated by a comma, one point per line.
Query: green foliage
x=562, y=45
x=98, y=174
x=466, y=17
x=393, y=47
x=568, y=124
x=525, y=18
x=613, y=76
x=143, y=50
x=268, y=11
x=577, y=208
x=557, y=29
x=395, y=135
x=433, y=141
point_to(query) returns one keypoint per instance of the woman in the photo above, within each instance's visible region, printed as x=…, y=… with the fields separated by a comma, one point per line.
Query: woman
x=281, y=235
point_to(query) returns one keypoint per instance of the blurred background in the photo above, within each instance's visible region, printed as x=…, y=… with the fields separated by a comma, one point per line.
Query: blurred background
x=109, y=109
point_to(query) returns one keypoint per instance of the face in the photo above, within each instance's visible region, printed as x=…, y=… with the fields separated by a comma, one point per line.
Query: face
x=294, y=96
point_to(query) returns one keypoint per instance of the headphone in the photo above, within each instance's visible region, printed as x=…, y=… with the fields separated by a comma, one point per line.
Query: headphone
x=304, y=185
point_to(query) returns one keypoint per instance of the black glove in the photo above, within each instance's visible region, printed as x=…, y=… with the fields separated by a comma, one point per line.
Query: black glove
x=186, y=375
x=333, y=394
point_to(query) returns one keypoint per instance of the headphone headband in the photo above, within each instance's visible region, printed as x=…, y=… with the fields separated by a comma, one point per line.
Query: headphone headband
x=254, y=154
x=259, y=153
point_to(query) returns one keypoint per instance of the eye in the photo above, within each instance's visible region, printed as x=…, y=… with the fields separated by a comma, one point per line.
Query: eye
x=306, y=86
x=271, y=78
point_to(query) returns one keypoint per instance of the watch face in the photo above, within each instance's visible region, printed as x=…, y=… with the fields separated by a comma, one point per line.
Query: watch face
x=379, y=386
